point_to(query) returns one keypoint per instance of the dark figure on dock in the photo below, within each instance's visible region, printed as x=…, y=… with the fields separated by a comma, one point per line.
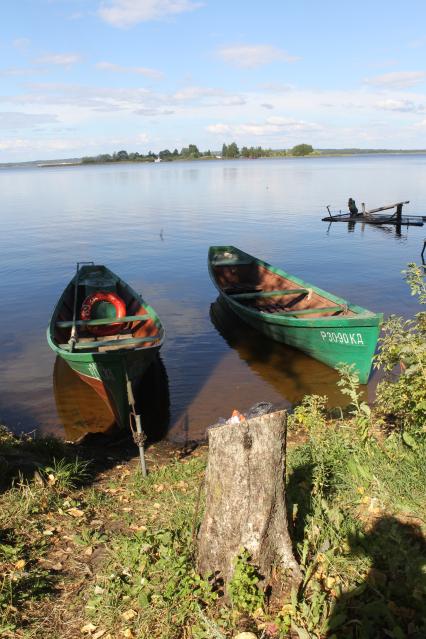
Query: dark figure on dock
x=352, y=207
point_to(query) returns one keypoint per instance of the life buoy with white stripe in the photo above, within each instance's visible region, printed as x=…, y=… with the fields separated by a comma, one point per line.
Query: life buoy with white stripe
x=103, y=296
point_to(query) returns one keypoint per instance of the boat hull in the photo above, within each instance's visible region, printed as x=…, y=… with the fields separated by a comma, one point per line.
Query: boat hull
x=106, y=374
x=327, y=342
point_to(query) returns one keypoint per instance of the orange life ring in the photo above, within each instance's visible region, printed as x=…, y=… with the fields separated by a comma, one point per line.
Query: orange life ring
x=103, y=296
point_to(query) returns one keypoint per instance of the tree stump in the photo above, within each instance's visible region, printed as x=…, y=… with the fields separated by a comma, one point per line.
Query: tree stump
x=245, y=502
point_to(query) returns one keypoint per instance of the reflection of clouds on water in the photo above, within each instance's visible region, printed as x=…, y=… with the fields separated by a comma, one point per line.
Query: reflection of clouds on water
x=10, y=346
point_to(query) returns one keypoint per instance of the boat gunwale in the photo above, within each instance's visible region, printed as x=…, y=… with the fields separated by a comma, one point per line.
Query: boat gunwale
x=363, y=316
x=75, y=355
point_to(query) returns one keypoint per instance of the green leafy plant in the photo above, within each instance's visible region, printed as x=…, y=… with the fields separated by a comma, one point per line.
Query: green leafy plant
x=244, y=590
x=359, y=409
x=310, y=414
x=401, y=396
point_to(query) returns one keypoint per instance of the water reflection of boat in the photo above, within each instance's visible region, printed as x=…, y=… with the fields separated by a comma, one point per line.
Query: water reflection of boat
x=289, y=310
x=116, y=338
x=292, y=373
x=82, y=411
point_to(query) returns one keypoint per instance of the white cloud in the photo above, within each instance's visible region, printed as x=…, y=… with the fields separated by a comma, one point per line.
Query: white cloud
x=19, y=71
x=246, y=56
x=270, y=127
x=19, y=120
x=126, y=13
x=21, y=44
x=60, y=59
x=397, y=79
x=118, y=68
x=276, y=87
x=417, y=44
x=29, y=144
x=402, y=105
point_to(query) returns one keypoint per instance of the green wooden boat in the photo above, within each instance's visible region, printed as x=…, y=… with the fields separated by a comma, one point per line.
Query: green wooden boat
x=287, y=309
x=105, y=350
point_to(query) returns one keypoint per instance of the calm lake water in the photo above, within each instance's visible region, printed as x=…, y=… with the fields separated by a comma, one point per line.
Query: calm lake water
x=152, y=224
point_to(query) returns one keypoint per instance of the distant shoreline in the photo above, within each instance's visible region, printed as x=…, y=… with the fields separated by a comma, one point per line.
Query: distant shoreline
x=316, y=154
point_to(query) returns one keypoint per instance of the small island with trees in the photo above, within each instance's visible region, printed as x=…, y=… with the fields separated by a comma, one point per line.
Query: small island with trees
x=232, y=151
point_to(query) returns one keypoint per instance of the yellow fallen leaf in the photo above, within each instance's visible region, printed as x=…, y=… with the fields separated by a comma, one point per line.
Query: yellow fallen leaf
x=128, y=633
x=129, y=614
x=75, y=512
x=88, y=629
x=89, y=551
x=20, y=565
x=156, y=505
x=138, y=528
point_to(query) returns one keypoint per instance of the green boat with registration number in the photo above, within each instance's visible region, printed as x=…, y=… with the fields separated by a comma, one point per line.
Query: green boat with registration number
x=116, y=341
x=289, y=310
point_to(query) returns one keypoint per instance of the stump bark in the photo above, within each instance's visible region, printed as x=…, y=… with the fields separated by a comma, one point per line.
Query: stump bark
x=245, y=502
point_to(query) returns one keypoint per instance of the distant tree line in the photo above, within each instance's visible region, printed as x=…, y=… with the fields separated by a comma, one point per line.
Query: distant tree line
x=191, y=152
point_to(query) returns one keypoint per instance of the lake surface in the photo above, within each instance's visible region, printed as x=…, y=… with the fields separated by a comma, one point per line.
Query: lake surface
x=152, y=224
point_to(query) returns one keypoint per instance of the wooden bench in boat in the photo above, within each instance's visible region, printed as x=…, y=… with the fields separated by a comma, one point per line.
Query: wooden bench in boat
x=310, y=311
x=232, y=263
x=119, y=342
x=249, y=296
x=104, y=321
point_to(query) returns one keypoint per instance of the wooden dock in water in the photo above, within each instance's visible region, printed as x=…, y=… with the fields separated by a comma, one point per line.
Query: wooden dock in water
x=375, y=216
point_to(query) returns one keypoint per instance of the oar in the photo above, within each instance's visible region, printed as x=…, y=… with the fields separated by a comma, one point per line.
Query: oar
x=73, y=337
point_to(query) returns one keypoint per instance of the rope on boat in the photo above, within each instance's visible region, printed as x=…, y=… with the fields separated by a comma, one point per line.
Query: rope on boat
x=138, y=434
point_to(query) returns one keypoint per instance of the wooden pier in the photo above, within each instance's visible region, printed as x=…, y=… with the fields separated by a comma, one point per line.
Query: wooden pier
x=375, y=216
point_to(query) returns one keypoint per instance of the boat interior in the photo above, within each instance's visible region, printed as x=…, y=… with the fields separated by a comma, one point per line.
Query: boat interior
x=136, y=329
x=258, y=288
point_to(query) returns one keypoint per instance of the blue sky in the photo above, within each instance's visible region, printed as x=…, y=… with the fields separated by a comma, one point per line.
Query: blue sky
x=81, y=77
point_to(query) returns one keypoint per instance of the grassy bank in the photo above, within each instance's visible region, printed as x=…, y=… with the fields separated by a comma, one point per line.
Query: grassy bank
x=106, y=553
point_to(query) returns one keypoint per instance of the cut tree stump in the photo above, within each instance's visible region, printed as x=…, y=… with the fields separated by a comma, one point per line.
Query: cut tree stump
x=245, y=503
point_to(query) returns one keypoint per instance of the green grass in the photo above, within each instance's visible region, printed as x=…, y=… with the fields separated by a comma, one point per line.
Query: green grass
x=357, y=519
x=358, y=512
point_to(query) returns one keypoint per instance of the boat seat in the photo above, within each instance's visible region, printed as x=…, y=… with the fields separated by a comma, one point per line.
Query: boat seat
x=232, y=263
x=120, y=343
x=236, y=289
x=104, y=321
x=313, y=311
x=248, y=296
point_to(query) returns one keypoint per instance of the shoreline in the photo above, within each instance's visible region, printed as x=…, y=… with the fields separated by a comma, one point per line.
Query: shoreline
x=337, y=154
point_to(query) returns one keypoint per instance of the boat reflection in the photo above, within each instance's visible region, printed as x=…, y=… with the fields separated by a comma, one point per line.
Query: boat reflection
x=81, y=411
x=292, y=373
